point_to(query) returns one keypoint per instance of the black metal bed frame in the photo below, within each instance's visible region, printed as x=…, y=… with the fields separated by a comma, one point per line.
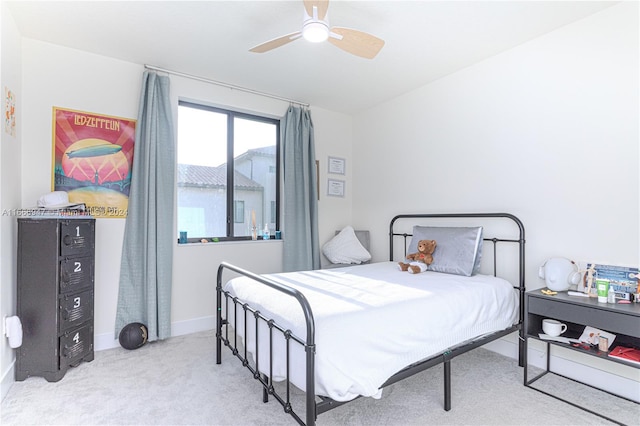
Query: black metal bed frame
x=316, y=404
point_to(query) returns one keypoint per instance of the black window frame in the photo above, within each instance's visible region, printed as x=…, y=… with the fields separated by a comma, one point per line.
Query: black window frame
x=230, y=210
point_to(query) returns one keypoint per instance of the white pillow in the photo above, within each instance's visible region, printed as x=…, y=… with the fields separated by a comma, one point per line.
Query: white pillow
x=345, y=248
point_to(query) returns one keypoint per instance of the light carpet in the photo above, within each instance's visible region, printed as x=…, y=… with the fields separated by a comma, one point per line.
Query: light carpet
x=177, y=382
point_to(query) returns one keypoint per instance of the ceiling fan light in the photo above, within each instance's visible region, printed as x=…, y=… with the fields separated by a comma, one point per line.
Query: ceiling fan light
x=315, y=31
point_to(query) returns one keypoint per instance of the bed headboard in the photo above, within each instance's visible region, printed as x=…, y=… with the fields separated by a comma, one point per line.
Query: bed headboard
x=492, y=223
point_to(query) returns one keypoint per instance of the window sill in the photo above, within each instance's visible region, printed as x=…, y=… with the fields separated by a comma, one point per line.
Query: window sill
x=197, y=243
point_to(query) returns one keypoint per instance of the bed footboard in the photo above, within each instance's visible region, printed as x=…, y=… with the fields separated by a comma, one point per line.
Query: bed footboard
x=247, y=311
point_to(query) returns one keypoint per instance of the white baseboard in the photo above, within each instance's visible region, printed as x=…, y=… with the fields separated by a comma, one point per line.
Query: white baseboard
x=181, y=328
x=105, y=341
x=8, y=378
x=613, y=382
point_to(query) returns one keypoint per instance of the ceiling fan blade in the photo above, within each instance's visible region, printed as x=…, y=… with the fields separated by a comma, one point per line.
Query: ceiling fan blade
x=356, y=42
x=322, y=6
x=276, y=42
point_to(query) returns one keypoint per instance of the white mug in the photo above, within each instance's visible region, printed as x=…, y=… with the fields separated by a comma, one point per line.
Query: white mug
x=553, y=328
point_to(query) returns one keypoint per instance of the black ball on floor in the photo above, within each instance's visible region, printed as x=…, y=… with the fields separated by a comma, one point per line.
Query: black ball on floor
x=133, y=335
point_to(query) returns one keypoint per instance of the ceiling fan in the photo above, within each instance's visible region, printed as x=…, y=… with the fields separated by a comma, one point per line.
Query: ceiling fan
x=315, y=28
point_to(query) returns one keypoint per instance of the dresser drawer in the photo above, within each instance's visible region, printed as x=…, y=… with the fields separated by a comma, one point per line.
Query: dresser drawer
x=76, y=274
x=75, y=345
x=76, y=237
x=75, y=309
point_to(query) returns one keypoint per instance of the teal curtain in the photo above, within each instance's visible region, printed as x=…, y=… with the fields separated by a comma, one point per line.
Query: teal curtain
x=147, y=253
x=301, y=248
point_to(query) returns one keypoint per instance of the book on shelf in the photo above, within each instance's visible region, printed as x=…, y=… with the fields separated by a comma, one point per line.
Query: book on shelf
x=592, y=335
x=626, y=354
x=622, y=279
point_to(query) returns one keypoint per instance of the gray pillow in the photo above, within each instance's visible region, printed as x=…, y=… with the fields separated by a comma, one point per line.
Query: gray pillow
x=458, y=249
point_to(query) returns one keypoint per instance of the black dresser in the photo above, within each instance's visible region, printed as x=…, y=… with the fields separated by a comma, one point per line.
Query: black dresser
x=56, y=260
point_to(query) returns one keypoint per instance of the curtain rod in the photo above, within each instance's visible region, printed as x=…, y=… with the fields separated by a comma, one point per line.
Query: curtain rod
x=227, y=85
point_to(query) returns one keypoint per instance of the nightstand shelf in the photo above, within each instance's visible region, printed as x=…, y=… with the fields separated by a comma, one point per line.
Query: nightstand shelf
x=623, y=320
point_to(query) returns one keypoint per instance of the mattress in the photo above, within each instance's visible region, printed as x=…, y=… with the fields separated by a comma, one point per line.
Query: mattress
x=371, y=321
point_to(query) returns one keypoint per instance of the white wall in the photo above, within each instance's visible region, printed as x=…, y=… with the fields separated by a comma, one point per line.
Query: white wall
x=10, y=146
x=547, y=131
x=334, y=141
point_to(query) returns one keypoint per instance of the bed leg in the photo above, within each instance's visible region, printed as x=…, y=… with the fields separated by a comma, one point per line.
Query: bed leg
x=265, y=393
x=447, y=385
x=219, y=316
x=522, y=350
x=219, y=342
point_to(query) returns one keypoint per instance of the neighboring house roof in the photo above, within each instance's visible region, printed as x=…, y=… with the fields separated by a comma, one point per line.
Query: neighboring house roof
x=267, y=151
x=205, y=176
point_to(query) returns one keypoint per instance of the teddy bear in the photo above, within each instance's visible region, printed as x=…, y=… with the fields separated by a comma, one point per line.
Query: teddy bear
x=420, y=260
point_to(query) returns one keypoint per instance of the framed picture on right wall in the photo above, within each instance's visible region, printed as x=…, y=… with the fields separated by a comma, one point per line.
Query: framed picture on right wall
x=336, y=165
x=335, y=188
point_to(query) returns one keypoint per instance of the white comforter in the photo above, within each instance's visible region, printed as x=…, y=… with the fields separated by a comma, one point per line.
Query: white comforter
x=372, y=321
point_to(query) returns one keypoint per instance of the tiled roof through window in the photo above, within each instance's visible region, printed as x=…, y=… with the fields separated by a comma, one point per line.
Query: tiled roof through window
x=206, y=176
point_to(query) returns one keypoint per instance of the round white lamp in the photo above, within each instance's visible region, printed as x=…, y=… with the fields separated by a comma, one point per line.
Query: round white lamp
x=559, y=273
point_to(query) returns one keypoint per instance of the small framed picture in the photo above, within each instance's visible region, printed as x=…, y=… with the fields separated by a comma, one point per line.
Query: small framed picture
x=336, y=165
x=335, y=188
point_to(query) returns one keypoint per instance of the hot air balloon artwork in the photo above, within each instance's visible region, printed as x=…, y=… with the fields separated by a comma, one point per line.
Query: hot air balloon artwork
x=92, y=160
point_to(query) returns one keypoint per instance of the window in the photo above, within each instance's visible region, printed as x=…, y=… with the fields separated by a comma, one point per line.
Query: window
x=228, y=171
x=238, y=211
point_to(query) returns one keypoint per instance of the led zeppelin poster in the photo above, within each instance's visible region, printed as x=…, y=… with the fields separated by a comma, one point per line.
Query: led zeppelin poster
x=92, y=159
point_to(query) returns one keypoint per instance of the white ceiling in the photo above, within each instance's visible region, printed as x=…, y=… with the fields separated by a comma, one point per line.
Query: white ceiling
x=425, y=40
